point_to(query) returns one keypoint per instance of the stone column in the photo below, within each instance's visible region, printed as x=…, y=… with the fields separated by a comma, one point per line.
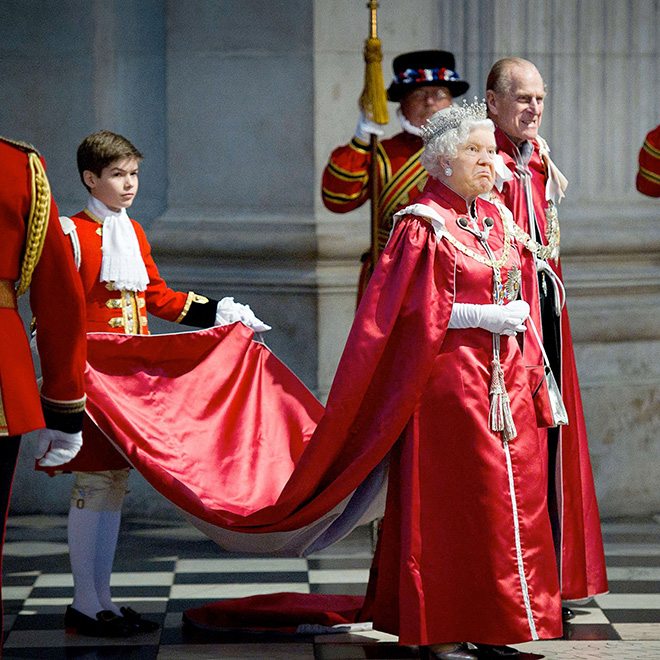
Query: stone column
x=601, y=62
x=341, y=28
x=240, y=121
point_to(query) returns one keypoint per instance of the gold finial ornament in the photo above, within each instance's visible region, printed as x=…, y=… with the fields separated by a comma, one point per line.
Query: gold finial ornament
x=373, y=100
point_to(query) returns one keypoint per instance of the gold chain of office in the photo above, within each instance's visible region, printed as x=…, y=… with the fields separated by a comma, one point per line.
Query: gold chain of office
x=551, y=248
x=480, y=258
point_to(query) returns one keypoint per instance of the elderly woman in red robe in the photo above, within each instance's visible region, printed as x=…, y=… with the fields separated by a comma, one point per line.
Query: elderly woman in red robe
x=466, y=547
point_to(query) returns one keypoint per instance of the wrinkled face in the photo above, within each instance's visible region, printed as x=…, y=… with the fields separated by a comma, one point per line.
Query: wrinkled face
x=518, y=111
x=473, y=169
x=422, y=103
x=117, y=185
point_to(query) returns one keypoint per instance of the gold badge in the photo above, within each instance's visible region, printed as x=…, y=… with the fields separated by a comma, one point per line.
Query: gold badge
x=512, y=286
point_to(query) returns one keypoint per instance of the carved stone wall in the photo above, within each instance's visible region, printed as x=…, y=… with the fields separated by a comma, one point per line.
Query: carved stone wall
x=601, y=62
x=237, y=108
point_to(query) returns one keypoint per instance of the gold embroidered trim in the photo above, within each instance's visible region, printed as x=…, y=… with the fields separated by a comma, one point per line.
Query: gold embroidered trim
x=74, y=406
x=131, y=320
x=552, y=237
x=86, y=211
x=37, y=223
x=189, y=301
x=4, y=427
x=23, y=146
x=113, y=303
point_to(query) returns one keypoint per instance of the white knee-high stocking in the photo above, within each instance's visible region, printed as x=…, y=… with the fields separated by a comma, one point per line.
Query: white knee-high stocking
x=106, y=544
x=83, y=530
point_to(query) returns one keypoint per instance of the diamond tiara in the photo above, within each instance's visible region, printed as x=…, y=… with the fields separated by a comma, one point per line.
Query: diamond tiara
x=452, y=117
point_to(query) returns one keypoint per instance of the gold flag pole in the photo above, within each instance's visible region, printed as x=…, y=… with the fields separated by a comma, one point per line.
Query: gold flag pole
x=373, y=104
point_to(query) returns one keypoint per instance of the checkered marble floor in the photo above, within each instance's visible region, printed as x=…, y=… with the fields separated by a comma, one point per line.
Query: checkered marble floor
x=164, y=568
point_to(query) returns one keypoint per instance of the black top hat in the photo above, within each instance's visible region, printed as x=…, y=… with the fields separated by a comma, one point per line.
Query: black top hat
x=422, y=68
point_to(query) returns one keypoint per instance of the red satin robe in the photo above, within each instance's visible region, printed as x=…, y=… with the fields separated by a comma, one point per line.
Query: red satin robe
x=582, y=561
x=449, y=569
x=455, y=564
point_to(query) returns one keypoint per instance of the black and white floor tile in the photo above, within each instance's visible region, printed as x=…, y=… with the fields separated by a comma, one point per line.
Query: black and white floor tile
x=164, y=568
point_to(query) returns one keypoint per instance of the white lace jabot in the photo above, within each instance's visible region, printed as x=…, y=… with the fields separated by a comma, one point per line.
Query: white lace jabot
x=122, y=261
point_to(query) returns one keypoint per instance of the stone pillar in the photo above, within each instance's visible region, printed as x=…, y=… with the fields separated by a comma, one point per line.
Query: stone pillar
x=601, y=62
x=240, y=118
x=70, y=68
x=341, y=28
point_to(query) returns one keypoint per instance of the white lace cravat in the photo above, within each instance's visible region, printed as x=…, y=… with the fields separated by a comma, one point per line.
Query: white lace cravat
x=122, y=261
x=406, y=125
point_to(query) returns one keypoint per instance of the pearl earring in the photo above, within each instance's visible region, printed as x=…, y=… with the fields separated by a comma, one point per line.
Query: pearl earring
x=448, y=171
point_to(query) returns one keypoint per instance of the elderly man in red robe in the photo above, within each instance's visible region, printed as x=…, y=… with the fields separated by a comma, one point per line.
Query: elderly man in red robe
x=531, y=186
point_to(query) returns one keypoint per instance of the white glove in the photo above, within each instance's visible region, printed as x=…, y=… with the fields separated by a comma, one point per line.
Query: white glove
x=499, y=319
x=229, y=311
x=61, y=447
x=366, y=128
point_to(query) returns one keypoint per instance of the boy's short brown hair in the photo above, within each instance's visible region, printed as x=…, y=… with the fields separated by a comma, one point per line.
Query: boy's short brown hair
x=99, y=150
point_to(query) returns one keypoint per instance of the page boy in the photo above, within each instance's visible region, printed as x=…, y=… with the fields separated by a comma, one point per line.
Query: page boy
x=121, y=284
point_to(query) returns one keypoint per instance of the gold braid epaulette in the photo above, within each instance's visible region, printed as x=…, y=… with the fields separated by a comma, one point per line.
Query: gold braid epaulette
x=37, y=220
x=19, y=144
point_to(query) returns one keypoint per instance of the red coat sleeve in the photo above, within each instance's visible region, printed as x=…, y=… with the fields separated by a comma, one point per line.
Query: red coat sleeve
x=345, y=184
x=163, y=302
x=648, y=175
x=58, y=304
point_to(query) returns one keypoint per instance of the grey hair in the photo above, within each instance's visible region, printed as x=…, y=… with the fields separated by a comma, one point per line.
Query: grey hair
x=446, y=144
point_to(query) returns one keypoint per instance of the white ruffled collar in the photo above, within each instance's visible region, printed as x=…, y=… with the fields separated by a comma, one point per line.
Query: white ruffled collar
x=406, y=125
x=122, y=262
x=102, y=212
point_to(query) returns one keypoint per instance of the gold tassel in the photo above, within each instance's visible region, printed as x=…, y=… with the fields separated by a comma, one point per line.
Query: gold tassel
x=500, y=417
x=373, y=101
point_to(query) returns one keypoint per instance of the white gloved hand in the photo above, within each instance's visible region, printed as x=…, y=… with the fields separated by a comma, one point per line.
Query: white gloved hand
x=499, y=319
x=366, y=128
x=229, y=311
x=57, y=447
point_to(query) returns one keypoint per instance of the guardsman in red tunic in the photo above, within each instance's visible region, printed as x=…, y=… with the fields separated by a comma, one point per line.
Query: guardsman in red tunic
x=121, y=284
x=424, y=82
x=648, y=176
x=534, y=186
x=34, y=253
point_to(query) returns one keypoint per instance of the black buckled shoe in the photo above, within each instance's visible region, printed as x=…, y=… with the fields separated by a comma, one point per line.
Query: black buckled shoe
x=490, y=651
x=567, y=613
x=459, y=652
x=106, y=624
x=135, y=620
